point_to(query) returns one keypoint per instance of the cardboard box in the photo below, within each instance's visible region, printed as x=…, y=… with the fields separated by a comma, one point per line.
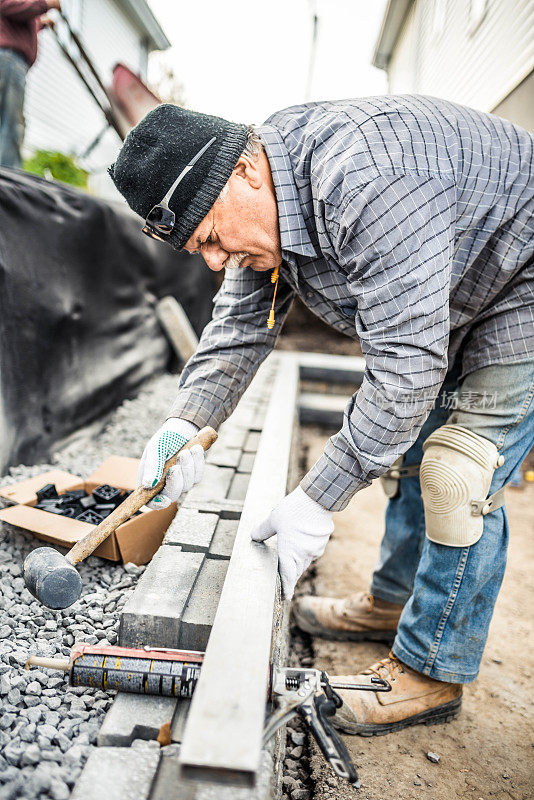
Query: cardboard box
x=136, y=540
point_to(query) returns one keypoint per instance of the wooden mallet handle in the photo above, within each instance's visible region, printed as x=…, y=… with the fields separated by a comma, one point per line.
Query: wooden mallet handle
x=136, y=500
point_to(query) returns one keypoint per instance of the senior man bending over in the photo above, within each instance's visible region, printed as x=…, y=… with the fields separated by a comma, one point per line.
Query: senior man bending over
x=405, y=222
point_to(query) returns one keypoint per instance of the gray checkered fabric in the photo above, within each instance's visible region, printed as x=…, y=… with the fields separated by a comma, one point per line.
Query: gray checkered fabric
x=406, y=222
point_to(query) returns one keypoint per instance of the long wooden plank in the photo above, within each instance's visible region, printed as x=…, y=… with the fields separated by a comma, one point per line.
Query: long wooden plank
x=223, y=734
x=202, y=526
x=333, y=368
x=176, y=325
x=322, y=409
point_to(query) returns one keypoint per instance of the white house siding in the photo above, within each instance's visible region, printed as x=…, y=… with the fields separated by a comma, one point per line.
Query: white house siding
x=402, y=67
x=60, y=114
x=116, y=40
x=438, y=52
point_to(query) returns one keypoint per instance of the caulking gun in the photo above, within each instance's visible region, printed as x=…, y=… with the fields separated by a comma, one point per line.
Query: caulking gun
x=294, y=691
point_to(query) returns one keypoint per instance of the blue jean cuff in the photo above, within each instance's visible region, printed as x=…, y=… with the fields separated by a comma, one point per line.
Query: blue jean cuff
x=434, y=672
x=388, y=596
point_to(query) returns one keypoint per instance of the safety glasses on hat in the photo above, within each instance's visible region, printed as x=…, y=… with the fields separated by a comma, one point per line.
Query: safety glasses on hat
x=160, y=219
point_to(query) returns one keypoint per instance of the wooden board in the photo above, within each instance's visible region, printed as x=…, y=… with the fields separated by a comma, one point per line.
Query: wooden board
x=223, y=734
x=176, y=325
x=331, y=368
x=322, y=409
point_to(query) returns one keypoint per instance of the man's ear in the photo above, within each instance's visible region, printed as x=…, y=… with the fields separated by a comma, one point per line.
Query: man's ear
x=249, y=170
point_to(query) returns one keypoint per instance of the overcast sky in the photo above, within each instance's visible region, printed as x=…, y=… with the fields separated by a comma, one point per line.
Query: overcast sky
x=243, y=60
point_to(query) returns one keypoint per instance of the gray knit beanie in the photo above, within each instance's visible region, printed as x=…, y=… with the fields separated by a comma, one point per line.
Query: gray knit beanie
x=158, y=149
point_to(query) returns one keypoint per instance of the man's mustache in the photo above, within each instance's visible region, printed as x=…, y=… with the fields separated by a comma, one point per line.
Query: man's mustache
x=234, y=260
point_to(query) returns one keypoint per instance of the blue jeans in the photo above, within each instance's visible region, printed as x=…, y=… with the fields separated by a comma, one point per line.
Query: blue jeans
x=450, y=592
x=13, y=69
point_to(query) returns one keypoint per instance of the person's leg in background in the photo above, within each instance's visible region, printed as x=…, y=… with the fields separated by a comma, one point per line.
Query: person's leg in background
x=13, y=70
x=444, y=625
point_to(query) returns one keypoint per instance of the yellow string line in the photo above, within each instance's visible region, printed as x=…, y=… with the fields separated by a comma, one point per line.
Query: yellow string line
x=274, y=279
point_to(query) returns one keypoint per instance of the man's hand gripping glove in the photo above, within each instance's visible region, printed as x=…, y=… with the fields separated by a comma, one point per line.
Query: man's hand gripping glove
x=303, y=528
x=189, y=467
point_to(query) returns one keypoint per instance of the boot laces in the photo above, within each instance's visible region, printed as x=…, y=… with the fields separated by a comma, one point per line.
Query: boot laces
x=356, y=600
x=387, y=668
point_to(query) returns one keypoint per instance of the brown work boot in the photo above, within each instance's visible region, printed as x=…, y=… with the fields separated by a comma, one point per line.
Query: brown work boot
x=349, y=619
x=414, y=699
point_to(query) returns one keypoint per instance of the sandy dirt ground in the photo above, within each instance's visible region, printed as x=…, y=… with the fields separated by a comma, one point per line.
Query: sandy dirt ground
x=488, y=752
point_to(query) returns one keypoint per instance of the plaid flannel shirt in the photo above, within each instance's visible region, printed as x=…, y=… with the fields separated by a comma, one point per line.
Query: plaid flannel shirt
x=405, y=222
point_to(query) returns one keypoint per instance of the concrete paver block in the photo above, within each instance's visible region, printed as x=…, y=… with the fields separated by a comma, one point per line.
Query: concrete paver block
x=114, y=773
x=239, y=486
x=245, y=415
x=199, y=612
x=246, y=462
x=252, y=442
x=223, y=456
x=232, y=435
x=169, y=785
x=192, y=530
x=225, y=508
x=151, y=616
x=179, y=719
x=214, y=484
x=223, y=539
x=134, y=716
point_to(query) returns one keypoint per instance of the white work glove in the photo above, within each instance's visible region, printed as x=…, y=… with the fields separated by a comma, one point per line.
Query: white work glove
x=303, y=528
x=189, y=467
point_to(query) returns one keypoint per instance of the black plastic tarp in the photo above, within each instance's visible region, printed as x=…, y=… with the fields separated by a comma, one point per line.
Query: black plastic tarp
x=78, y=285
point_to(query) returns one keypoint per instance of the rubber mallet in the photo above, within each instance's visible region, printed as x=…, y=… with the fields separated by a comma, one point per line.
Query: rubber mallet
x=52, y=578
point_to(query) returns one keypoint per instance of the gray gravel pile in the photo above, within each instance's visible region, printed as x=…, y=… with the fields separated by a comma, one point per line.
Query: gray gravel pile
x=297, y=783
x=127, y=430
x=47, y=729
